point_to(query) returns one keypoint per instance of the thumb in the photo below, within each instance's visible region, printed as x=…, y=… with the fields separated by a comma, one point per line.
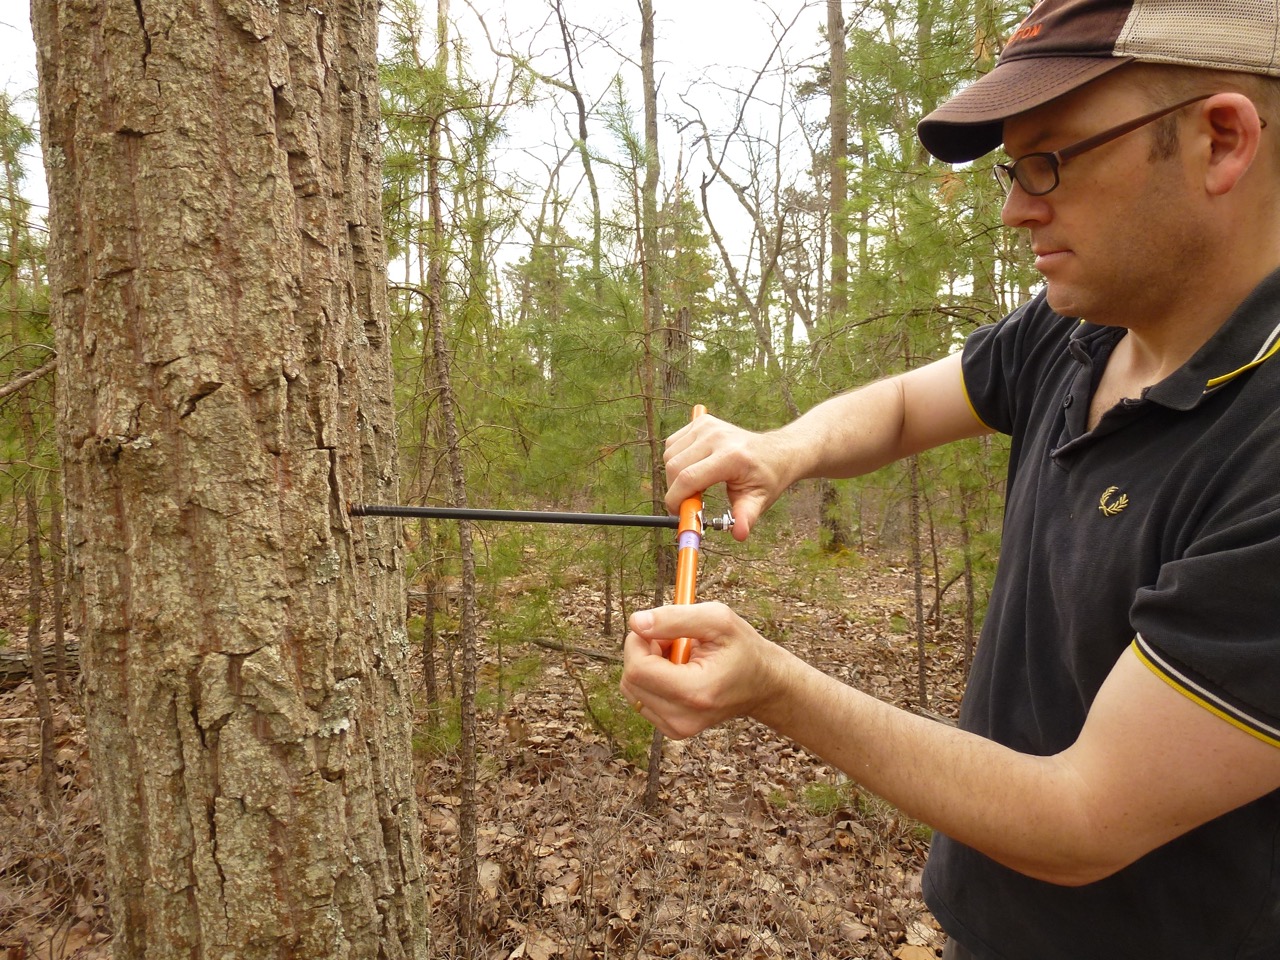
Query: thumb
x=746, y=509
x=704, y=620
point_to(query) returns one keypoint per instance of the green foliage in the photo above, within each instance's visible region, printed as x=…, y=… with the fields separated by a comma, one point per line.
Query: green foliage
x=824, y=799
x=440, y=734
x=28, y=454
x=523, y=672
x=628, y=732
x=531, y=615
x=873, y=810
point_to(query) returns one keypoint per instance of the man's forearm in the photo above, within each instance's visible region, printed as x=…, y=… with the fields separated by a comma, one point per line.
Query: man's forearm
x=1015, y=808
x=868, y=428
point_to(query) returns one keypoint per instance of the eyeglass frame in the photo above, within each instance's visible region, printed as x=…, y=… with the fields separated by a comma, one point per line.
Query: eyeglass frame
x=1056, y=158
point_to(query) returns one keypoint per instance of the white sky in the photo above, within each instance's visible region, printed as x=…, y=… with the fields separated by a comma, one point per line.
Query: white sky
x=706, y=51
x=18, y=80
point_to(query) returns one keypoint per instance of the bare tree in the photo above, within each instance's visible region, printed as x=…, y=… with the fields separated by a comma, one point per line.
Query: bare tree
x=838, y=194
x=764, y=207
x=217, y=275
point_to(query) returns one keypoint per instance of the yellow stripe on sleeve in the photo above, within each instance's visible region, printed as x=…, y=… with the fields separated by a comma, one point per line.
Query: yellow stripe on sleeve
x=1202, y=697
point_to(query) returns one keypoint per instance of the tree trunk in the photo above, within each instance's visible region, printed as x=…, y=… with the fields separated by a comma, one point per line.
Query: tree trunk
x=468, y=859
x=49, y=797
x=838, y=120
x=580, y=102
x=217, y=277
x=652, y=301
x=835, y=533
x=917, y=573
x=58, y=584
x=29, y=481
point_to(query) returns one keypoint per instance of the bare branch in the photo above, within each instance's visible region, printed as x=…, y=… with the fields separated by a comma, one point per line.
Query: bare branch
x=31, y=376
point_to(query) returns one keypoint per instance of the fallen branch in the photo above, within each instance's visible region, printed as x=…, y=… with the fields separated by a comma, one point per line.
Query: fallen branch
x=604, y=655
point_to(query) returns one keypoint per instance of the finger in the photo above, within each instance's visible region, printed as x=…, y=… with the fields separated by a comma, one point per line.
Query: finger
x=641, y=697
x=686, y=434
x=636, y=649
x=672, y=721
x=689, y=472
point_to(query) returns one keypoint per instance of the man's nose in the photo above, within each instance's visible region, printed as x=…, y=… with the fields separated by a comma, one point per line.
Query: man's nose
x=1021, y=209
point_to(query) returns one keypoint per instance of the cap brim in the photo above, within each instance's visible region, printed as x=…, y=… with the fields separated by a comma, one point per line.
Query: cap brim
x=972, y=122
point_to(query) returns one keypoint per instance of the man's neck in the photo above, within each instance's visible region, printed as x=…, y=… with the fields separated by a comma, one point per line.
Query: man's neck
x=1154, y=348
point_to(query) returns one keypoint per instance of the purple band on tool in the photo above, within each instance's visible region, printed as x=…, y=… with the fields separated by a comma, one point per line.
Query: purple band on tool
x=690, y=538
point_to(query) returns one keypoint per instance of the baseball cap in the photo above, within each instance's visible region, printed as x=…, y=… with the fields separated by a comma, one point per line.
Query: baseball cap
x=1063, y=44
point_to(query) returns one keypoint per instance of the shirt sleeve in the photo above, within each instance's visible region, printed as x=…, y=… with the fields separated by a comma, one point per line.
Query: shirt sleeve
x=997, y=356
x=1210, y=625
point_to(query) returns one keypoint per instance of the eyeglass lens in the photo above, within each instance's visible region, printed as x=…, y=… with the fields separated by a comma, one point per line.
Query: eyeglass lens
x=1036, y=173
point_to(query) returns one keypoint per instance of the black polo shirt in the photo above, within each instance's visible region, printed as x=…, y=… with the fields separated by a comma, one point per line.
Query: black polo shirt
x=1159, y=528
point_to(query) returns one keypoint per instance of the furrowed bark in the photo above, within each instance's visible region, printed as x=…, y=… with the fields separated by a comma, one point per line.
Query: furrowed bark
x=218, y=290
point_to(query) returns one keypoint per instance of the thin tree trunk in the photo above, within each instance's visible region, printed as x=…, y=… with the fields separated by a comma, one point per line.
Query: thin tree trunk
x=430, y=437
x=430, y=677
x=917, y=571
x=835, y=532
x=468, y=865
x=31, y=510
x=677, y=336
x=649, y=271
x=935, y=557
x=606, y=625
x=218, y=286
x=597, y=229
x=56, y=553
x=48, y=780
x=838, y=119
x=652, y=303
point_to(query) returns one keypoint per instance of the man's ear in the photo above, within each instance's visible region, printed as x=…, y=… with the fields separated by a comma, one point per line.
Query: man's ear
x=1234, y=135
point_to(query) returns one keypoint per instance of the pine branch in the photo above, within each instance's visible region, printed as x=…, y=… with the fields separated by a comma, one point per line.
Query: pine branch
x=16, y=384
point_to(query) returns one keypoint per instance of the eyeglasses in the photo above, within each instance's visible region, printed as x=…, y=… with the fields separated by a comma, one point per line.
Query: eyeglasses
x=1037, y=173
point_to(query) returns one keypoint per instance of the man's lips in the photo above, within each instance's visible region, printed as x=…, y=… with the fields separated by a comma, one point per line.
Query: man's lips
x=1048, y=256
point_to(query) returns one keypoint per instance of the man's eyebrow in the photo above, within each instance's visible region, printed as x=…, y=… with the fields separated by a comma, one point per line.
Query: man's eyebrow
x=1034, y=144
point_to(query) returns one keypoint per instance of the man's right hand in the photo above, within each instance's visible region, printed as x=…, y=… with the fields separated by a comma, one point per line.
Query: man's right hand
x=754, y=467
x=846, y=436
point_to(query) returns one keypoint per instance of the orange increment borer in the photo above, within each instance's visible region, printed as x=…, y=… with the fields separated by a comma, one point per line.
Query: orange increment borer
x=688, y=544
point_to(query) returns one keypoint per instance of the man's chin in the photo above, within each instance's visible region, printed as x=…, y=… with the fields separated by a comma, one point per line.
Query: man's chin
x=1064, y=302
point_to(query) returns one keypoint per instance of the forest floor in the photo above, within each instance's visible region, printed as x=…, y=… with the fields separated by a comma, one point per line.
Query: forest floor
x=755, y=848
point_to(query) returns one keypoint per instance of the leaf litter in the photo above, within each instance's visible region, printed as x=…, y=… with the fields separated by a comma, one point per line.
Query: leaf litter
x=756, y=849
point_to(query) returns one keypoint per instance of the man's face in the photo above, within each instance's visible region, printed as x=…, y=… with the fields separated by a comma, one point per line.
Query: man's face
x=1115, y=235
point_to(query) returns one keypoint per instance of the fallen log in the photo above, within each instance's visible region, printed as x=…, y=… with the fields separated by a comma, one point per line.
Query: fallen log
x=15, y=664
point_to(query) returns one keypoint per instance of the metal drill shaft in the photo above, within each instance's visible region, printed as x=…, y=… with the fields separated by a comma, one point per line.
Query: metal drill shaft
x=513, y=516
x=528, y=516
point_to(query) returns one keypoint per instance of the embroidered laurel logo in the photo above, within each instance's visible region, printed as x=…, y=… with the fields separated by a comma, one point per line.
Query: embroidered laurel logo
x=1111, y=507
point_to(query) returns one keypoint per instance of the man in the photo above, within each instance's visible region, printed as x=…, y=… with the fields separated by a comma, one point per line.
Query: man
x=1114, y=787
